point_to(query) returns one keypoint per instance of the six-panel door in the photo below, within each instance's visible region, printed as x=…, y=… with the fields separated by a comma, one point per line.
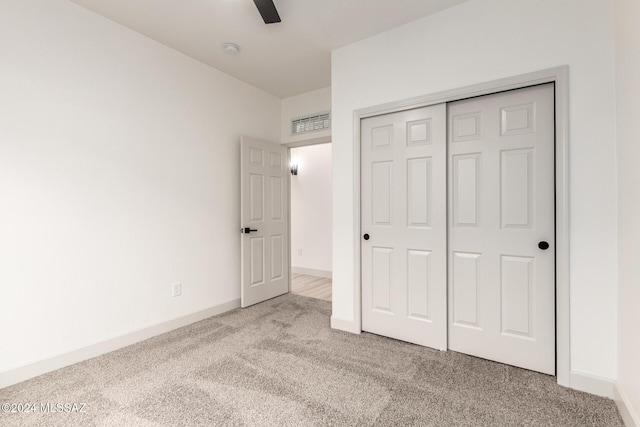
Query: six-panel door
x=501, y=207
x=462, y=226
x=264, y=208
x=403, y=212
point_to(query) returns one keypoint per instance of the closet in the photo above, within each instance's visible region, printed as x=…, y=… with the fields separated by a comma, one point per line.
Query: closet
x=457, y=218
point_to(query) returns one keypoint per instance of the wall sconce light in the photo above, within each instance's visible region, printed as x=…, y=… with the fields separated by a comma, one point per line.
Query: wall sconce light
x=294, y=169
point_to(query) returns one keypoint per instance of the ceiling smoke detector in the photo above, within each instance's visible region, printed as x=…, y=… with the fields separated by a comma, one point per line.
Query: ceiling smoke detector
x=231, y=48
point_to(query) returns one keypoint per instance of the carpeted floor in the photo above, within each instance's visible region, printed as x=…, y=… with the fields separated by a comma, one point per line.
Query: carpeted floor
x=279, y=364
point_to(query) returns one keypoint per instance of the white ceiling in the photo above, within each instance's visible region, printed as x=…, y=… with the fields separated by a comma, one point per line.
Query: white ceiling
x=284, y=59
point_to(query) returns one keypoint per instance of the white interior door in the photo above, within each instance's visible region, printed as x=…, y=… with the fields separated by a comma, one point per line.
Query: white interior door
x=501, y=207
x=264, y=213
x=404, y=225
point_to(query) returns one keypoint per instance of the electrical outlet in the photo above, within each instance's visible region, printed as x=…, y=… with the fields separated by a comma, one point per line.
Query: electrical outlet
x=176, y=289
x=299, y=252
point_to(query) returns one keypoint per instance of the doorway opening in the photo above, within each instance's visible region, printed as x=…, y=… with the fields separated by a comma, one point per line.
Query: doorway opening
x=311, y=221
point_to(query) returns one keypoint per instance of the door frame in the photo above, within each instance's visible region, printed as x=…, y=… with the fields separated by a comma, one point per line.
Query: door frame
x=560, y=77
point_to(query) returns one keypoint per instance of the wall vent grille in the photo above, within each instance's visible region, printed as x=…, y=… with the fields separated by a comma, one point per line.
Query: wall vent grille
x=315, y=122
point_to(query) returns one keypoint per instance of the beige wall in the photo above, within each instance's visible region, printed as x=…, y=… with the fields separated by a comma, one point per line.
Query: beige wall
x=118, y=176
x=311, y=208
x=627, y=42
x=317, y=101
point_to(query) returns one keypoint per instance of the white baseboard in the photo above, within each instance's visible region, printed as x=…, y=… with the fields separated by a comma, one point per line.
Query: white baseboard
x=34, y=369
x=593, y=384
x=627, y=412
x=312, y=272
x=344, y=325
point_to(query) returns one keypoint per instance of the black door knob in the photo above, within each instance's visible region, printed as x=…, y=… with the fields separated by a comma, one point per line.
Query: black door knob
x=366, y=237
x=543, y=245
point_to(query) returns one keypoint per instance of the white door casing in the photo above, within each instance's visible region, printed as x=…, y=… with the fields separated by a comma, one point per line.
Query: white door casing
x=559, y=77
x=501, y=205
x=264, y=207
x=403, y=193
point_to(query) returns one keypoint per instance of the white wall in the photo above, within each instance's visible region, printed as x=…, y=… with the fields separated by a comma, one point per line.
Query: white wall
x=317, y=101
x=118, y=176
x=311, y=208
x=627, y=32
x=480, y=41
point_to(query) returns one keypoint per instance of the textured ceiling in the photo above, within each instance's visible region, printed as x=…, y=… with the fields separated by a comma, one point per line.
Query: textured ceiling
x=284, y=59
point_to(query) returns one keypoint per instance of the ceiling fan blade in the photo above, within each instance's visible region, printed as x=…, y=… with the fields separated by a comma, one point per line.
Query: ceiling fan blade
x=268, y=11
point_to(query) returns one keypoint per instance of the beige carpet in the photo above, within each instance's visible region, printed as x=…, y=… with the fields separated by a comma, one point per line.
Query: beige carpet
x=279, y=364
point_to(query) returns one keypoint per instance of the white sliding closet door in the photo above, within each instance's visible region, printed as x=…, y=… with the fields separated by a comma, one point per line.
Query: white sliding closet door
x=501, y=227
x=404, y=226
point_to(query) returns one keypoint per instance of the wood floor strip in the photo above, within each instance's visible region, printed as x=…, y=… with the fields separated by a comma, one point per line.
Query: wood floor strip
x=311, y=286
